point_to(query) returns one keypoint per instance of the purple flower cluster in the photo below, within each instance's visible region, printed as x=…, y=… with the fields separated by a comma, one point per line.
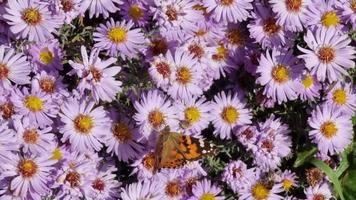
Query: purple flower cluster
x=80, y=118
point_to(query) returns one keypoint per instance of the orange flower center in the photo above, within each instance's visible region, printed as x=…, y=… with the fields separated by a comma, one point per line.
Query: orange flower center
x=293, y=5
x=171, y=13
x=31, y=16
x=83, y=123
x=95, y=73
x=328, y=129
x=122, y=132
x=353, y=5
x=173, y=189
x=4, y=71
x=73, y=178
x=156, y=118
x=319, y=197
x=326, y=54
x=27, y=168
x=163, y=69
x=196, y=50
x=47, y=85
x=235, y=37
x=271, y=27
x=184, y=76
x=67, y=5
x=226, y=2
x=7, y=110
x=30, y=136
x=148, y=161
x=98, y=184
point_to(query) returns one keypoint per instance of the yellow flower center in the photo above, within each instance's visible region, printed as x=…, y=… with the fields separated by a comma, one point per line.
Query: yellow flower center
x=329, y=19
x=117, y=35
x=235, y=37
x=260, y=192
x=4, y=71
x=221, y=53
x=207, y=196
x=135, y=12
x=47, y=85
x=308, y=81
x=326, y=54
x=57, y=154
x=192, y=114
x=293, y=5
x=46, y=56
x=148, y=161
x=287, y=184
x=156, y=118
x=280, y=74
x=30, y=136
x=226, y=2
x=83, y=123
x=31, y=16
x=339, y=96
x=230, y=114
x=122, y=132
x=33, y=103
x=173, y=189
x=184, y=75
x=328, y=129
x=270, y=27
x=27, y=168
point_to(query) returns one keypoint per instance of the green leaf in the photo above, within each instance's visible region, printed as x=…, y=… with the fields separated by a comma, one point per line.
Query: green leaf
x=331, y=174
x=354, y=120
x=348, y=184
x=304, y=156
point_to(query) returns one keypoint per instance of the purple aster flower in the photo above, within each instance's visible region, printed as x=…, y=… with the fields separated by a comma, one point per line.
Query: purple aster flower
x=265, y=29
x=206, y=190
x=161, y=69
x=137, y=11
x=124, y=139
x=159, y=45
x=46, y=56
x=232, y=11
x=348, y=13
x=34, y=104
x=331, y=129
x=308, y=87
x=177, y=18
x=172, y=184
x=247, y=136
x=236, y=175
x=227, y=113
x=97, y=75
x=84, y=126
x=154, y=112
x=13, y=67
x=29, y=175
x=7, y=110
x=8, y=142
x=319, y=191
x=118, y=39
x=143, y=166
x=330, y=54
x=291, y=14
x=343, y=96
x=278, y=73
x=236, y=37
x=100, y=7
x=69, y=9
x=32, y=138
x=201, y=51
x=31, y=20
x=142, y=190
x=208, y=31
x=51, y=84
x=250, y=58
x=220, y=60
x=288, y=179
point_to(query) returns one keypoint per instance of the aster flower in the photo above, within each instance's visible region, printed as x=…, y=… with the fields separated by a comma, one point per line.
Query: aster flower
x=161, y=69
x=84, y=126
x=227, y=113
x=208, y=31
x=236, y=175
x=143, y=166
x=31, y=20
x=137, y=11
x=308, y=87
x=331, y=129
x=68, y=9
x=118, y=37
x=232, y=11
x=51, y=84
x=142, y=190
x=154, y=112
x=291, y=14
x=33, y=139
x=330, y=54
x=348, y=13
x=158, y=45
x=247, y=136
x=100, y=7
x=34, y=104
x=342, y=96
x=236, y=37
x=7, y=110
x=13, y=67
x=46, y=56
x=8, y=142
x=288, y=179
x=278, y=72
x=206, y=190
x=97, y=75
x=29, y=175
x=265, y=29
x=124, y=139
x=320, y=191
x=171, y=183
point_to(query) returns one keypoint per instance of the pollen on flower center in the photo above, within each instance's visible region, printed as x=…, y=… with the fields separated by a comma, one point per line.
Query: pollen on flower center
x=73, y=178
x=173, y=189
x=30, y=136
x=308, y=81
x=56, y=154
x=339, y=96
x=235, y=37
x=122, y=132
x=196, y=50
x=156, y=118
x=226, y=2
x=329, y=19
x=171, y=13
x=4, y=71
x=192, y=114
x=148, y=161
x=268, y=145
x=319, y=197
x=95, y=73
x=326, y=54
x=47, y=85
x=328, y=129
x=27, y=168
x=184, y=75
x=230, y=114
x=117, y=35
x=221, y=53
x=163, y=69
x=260, y=191
x=7, y=110
x=135, y=12
x=207, y=196
x=287, y=184
x=271, y=27
x=83, y=123
x=280, y=74
x=31, y=16
x=98, y=184
x=67, y=5
x=293, y=5
x=33, y=103
x=46, y=56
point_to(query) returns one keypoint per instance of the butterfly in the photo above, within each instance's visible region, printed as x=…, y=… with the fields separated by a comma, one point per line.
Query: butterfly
x=174, y=149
